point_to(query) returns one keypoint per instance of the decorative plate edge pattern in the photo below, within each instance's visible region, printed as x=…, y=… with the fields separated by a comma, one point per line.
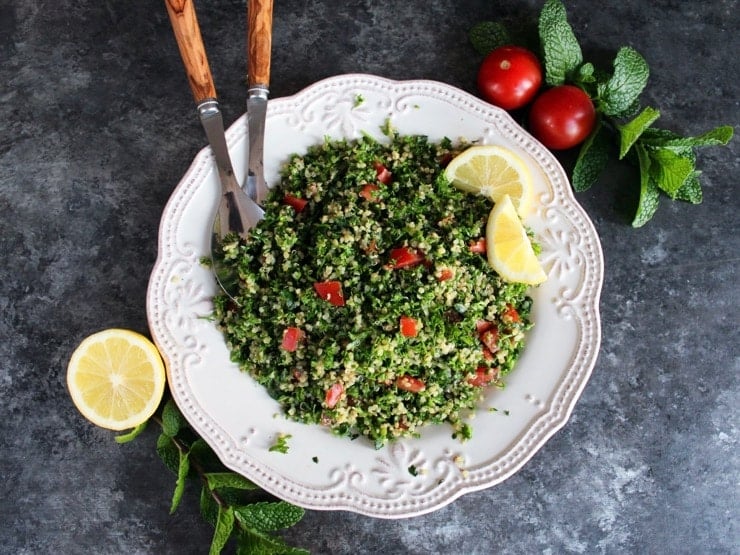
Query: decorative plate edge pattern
x=582, y=305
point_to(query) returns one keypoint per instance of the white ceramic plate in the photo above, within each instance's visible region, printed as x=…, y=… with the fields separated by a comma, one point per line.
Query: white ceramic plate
x=320, y=471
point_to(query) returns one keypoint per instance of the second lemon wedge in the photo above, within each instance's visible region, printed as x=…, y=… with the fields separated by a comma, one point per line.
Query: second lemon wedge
x=508, y=247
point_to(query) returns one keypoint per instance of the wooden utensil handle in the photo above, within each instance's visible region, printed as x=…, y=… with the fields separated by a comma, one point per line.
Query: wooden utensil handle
x=193, y=52
x=259, y=41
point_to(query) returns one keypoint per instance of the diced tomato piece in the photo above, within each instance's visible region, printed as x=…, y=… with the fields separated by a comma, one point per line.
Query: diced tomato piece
x=404, y=257
x=383, y=174
x=445, y=274
x=291, y=337
x=409, y=383
x=330, y=291
x=511, y=314
x=409, y=326
x=483, y=376
x=487, y=354
x=445, y=159
x=483, y=325
x=333, y=394
x=490, y=339
x=478, y=247
x=297, y=203
x=368, y=192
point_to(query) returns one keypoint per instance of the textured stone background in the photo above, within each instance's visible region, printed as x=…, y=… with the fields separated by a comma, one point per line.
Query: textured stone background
x=98, y=126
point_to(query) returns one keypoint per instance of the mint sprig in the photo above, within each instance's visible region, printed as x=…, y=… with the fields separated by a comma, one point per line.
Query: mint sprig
x=561, y=51
x=227, y=499
x=666, y=160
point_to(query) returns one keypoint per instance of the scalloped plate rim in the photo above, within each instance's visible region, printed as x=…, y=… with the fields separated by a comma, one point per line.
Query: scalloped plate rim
x=321, y=498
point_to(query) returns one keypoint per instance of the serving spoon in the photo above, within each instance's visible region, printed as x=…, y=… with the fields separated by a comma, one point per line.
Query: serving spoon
x=237, y=212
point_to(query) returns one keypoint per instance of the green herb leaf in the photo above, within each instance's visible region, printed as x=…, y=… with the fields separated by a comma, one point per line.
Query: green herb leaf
x=669, y=170
x=623, y=89
x=663, y=138
x=281, y=443
x=172, y=420
x=592, y=159
x=229, y=480
x=201, y=451
x=690, y=191
x=649, y=193
x=224, y=527
x=128, y=436
x=208, y=506
x=168, y=452
x=251, y=542
x=630, y=132
x=585, y=75
x=488, y=35
x=268, y=516
x=182, y=474
x=561, y=52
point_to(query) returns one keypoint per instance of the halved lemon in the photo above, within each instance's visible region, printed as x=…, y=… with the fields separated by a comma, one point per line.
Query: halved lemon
x=508, y=247
x=492, y=171
x=116, y=378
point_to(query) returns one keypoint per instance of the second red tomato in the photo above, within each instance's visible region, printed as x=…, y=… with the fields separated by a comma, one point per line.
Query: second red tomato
x=509, y=77
x=562, y=117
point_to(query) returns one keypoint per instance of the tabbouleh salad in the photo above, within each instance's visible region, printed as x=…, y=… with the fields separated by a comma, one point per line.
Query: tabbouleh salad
x=366, y=303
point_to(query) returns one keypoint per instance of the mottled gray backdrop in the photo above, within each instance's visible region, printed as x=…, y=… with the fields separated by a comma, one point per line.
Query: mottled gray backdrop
x=96, y=128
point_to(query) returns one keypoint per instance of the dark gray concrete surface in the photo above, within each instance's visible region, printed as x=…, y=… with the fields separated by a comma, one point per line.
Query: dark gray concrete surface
x=98, y=126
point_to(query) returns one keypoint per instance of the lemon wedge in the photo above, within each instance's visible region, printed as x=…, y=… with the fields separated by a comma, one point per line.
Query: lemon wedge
x=508, y=247
x=492, y=171
x=116, y=378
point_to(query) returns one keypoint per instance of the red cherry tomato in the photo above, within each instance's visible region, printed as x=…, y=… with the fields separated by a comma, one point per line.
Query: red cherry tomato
x=562, y=117
x=509, y=77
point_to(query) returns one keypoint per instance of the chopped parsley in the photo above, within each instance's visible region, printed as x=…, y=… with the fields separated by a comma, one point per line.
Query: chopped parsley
x=377, y=237
x=281, y=443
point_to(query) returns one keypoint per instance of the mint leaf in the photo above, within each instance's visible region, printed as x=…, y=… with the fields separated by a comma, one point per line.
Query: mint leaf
x=690, y=191
x=649, y=193
x=623, y=89
x=719, y=136
x=585, y=75
x=172, y=420
x=251, y=542
x=224, y=527
x=269, y=516
x=208, y=506
x=669, y=170
x=488, y=35
x=182, y=474
x=630, y=132
x=229, y=480
x=592, y=159
x=128, y=436
x=200, y=451
x=168, y=452
x=560, y=49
